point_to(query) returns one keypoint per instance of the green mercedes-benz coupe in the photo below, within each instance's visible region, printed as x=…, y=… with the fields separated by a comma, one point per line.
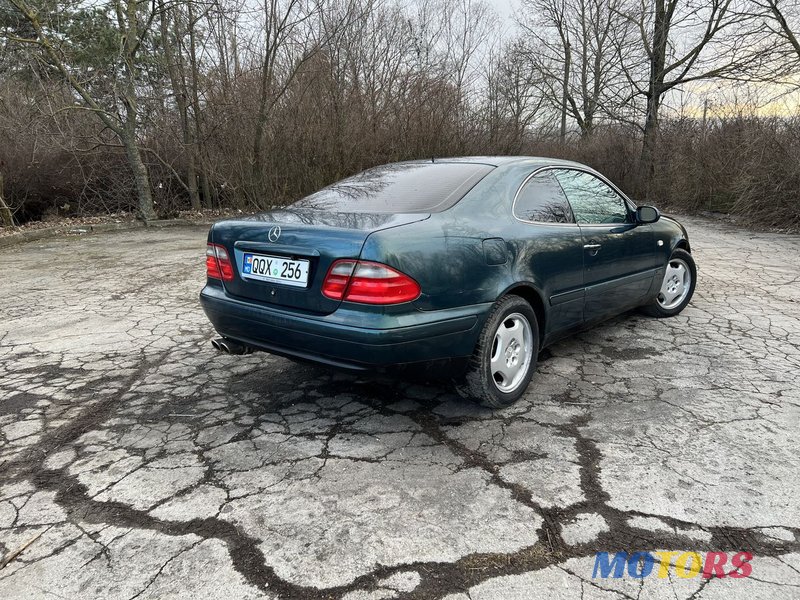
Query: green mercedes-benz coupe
x=486, y=260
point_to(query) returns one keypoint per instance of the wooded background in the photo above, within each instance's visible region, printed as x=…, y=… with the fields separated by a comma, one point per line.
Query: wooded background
x=159, y=106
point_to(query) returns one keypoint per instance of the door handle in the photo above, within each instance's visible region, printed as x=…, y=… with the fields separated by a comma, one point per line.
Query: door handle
x=593, y=248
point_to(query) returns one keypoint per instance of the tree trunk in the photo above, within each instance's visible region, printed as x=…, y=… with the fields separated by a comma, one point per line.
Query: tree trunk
x=205, y=186
x=127, y=133
x=144, y=195
x=655, y=91
x=191, y=175
x=263, y=102
x=178, y=82
x=128, y=21
x=5, y=213
x=258, y=135
x=198, y=162
x=565, y=92
x=647, y=161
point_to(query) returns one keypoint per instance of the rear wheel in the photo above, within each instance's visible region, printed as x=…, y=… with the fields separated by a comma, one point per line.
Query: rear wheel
x=677, y=287
x=505, y=356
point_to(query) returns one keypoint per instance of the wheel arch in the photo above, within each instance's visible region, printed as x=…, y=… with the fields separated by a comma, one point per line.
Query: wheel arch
x=683, y=244
x=533, y=297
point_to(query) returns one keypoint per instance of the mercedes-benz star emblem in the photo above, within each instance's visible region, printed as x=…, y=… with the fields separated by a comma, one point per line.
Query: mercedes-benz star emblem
x=274, y=233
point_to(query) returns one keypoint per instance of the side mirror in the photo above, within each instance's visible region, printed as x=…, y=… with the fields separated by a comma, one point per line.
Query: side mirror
x=647, y=214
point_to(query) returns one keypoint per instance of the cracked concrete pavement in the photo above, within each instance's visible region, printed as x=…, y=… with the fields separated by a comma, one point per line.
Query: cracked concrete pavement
x=136, y=462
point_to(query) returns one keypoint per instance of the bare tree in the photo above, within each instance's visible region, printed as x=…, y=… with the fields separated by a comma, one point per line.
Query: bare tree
x=683, y=41
x=513, y=97
x=785, y=15
x=118, y=105
x=172, y=37
x=450, y=38
x=6, y=218
x=575, y=45
x=252, y=103
x=550, y=44
x=467, y=25
x=287, y=45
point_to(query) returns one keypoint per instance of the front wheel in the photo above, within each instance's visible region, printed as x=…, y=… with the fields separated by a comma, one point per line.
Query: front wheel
x=505, y=357
x=677, y=287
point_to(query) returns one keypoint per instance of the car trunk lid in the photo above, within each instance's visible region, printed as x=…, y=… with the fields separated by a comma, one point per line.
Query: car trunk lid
x=298, y=236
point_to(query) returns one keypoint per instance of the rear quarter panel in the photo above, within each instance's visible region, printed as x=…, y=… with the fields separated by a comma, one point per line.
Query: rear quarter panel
x=476, y=251
x=450, y=270
x=445, y=254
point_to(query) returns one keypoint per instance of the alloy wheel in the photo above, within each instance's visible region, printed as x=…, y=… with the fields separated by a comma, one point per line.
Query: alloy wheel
x=676, y=285
x=511, y=352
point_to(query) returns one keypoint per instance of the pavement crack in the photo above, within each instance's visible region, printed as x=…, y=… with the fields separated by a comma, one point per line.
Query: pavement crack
x=164, y=566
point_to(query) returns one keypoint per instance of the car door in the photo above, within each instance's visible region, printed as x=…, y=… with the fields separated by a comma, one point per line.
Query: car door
x=619, y=254
x=551, y=249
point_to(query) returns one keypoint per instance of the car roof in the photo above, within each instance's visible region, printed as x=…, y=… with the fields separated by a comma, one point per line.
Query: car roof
x=497, y=161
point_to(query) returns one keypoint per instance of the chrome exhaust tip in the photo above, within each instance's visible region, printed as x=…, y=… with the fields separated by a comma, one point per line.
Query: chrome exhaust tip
x=230, y=346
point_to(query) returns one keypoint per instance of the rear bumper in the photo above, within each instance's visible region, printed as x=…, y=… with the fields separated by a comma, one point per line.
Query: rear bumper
x=348, y=338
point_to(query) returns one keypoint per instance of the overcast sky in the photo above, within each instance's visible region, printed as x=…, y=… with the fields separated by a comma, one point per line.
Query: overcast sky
x=504, y=8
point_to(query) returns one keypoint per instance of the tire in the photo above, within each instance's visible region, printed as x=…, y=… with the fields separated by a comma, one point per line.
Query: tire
x=513, y=324
x=680, y=277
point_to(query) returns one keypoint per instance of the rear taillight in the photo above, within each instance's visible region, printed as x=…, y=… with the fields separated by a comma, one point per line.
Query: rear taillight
x=218, y=263
x=337, y=279
x=368, y=283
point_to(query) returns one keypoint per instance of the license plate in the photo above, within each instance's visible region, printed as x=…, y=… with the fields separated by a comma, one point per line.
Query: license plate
x=274, y=268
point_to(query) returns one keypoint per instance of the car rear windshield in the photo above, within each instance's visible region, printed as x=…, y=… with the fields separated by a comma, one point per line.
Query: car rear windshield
x=399, y=188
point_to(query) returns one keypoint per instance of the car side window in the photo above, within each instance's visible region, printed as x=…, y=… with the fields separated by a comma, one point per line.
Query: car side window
x=541, y=199
x=592, y=200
